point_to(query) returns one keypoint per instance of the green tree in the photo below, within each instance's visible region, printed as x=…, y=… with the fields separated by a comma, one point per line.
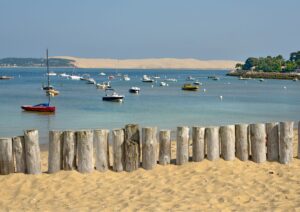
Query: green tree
x=290, y=66
x=250, y=63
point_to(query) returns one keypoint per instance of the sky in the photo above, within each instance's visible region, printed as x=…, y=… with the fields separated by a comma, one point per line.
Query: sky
x=133, y=29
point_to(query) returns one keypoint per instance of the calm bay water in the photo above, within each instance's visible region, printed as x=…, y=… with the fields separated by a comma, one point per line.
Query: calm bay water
x=80, y=106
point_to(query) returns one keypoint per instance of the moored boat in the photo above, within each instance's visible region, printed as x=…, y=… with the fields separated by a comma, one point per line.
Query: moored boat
x=134, y=90
x=6, y=77
x=43, y=107
x=189, y=87
x=112, y=96
x=103, y=85
x=147, y=79
x=163, y=84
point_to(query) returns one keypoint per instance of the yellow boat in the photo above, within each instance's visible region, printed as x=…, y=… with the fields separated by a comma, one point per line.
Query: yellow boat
x=190, y=87
x=52, y=92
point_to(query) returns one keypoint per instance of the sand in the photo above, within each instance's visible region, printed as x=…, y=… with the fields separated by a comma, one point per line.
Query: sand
x=159, y=63
x=219, y=185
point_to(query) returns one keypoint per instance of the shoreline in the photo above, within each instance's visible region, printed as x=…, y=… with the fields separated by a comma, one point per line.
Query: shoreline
x=265, y=75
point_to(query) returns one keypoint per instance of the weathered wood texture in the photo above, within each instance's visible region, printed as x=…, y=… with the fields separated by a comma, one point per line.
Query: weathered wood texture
x=101, y=146
x=132, y=147
x=286, y=142
x=6, y=156
x=212, y=142
x=241, y=142
x=272, y=141
x=149, y=146
x=19, y=154
x=227, y=136
x=164, y=147
x=32, y=152
x=55, y=151
x=182, y=151
x=258, y=142
x=85, y=151
x=118, y=149
x=69, y=150
x=198, y=143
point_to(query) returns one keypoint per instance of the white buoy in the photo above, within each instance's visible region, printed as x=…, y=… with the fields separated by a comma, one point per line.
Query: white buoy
x=284, y=87
x=221, y=97
x=204, y=90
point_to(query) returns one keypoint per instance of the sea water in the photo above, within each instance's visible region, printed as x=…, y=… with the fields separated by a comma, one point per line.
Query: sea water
x=80, y=106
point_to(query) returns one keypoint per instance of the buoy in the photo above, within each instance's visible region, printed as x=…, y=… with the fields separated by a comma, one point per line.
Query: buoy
x=221, y=97
x=204, y=90
x=284, y=87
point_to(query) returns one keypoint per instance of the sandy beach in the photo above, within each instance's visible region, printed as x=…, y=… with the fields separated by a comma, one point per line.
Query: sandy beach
x=218, y=185
x=151, y=63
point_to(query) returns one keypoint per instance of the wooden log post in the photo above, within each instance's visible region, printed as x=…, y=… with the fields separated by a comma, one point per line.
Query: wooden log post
x=55, y=151
x=85, y=151
x=118, y=149
x=241, y=142
x=149, y=146
x=212, y=142
x=272, y=141
x=227, y=136
x=164, y=147
x=19, y=154
x=198, y=143
x=101, y=146
x=286, y=142
x=6, y=156
x=258, y=142
x=69, y=150
x=132, y=147
x=182, y=151
x=32, y=151
x=299, y=140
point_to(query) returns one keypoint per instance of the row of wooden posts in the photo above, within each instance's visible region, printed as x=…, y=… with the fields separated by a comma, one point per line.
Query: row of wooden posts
x=86, y=150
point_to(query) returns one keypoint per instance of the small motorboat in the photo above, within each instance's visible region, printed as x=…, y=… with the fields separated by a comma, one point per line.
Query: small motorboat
x=190, y=78
x=190, y=87
x=6, y=77
x=74, y=77
x=134, y=90
x=295, y=79
x=51, y=73
x=147, y=79
x=126, y=78
x=52, y=92
x=261, y=80
x=112, y=96
x=90, y=81
x=163, y=84
x=64, y=75
x=102, y=74
x=197, y=83
x=215, y=78
x=43, y=107
x=103, y=85
x=46, y=88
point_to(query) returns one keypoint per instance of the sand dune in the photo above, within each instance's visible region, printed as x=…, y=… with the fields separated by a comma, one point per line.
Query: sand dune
x=162, y=63
x=219, y=185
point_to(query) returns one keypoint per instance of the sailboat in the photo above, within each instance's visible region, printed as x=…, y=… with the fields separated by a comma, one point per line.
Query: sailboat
x=42, y=107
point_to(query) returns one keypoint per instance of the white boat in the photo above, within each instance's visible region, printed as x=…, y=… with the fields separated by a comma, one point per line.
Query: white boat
x=163, y=84
x=112, y=96
x=103, y=85
x=171, y=80
x=51, y=73
x=64, y=75
x=90, y=81
x=261, y=80
x=197, y=83
x=134, y=90
x=147, y=79
x=102, y=74
x=156, y=77
x=126, y=78
x=190, y=78
x=74, y=77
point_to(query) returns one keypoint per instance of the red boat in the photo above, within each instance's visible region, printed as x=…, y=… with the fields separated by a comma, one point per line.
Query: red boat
x=44, y=107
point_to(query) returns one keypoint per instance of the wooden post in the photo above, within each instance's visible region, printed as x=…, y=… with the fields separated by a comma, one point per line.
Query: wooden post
x=241, y=141
x=69, y=150
x=227, y=135
x=19, y=154
x=85, y=151
x=32, y=151
x=286, y=142
x=6, y=156
x=118, y=149
x=164, y=147
x=182, y=151
x=299, y=140
x=132, y=147
x=272, y=141
x=258, y=142
x=212, y=142
x=149, y=145
x=55, y=151
x=198, y=143
x=101, y=149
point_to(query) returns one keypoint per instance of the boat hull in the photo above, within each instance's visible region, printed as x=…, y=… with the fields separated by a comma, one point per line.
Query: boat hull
x=113, y=98
x=49, y=109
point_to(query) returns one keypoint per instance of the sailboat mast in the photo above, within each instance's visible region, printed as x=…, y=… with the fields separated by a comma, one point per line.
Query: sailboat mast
x=47, y=63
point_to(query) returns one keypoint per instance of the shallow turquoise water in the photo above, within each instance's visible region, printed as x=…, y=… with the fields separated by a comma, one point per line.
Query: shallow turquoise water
x=80, y=106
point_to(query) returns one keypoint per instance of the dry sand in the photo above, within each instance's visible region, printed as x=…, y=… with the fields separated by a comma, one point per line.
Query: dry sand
x=160, y=63
x=219, y=185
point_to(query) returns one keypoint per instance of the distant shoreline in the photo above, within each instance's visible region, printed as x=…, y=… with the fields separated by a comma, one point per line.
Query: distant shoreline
x=265, y=75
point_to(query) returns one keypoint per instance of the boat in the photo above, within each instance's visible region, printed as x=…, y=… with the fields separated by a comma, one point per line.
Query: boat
x=126, y=78
x=163, y=84
x=190, y=78
x=197, y=83
x=52, y=92
x=112, y=96
x=261, y=80
x=171, y=80
x=64, y=75
x=74, y=77
x=85, y=77
x=295, y=79
x=6, y=77
x=102, y=74
x=42, y=107
x=51, y=73
x=216, y=78
x=111, y=77
x=147, y=79
x=134, y=90
x=156, y=77
x=91, y=81
x=46, y=88
x=103, y=85
x=189, y=87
